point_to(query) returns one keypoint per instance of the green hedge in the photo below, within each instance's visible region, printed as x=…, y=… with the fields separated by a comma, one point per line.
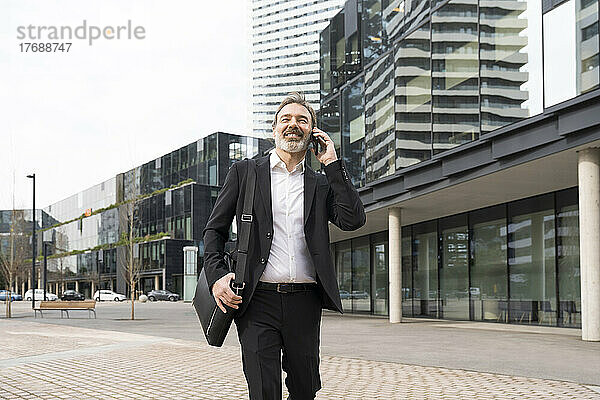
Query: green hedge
x=122, y=242
x=101, y=210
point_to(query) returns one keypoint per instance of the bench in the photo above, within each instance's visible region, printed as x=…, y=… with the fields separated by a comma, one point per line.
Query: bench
x=65, y=306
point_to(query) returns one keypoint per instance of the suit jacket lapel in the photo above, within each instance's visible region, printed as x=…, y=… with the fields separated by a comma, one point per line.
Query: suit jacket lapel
x=310, y=185
x=263, y=181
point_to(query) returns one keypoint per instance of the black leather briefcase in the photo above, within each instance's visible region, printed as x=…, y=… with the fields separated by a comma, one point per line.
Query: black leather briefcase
x=214, y=322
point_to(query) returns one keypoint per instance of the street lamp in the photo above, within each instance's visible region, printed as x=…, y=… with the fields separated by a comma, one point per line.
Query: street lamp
x=33, y=246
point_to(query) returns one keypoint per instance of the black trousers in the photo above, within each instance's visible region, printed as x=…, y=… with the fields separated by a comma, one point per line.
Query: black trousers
x=275, y=324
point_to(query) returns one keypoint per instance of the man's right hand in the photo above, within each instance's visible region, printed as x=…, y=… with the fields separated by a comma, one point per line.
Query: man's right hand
x=223, y=294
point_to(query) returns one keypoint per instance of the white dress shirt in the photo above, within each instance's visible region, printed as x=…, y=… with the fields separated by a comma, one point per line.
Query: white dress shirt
x=289, y=258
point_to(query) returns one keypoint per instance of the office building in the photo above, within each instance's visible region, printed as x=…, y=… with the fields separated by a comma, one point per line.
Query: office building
x=21, y=223
x=284, y=47
x=470, y=128
x=86, y=234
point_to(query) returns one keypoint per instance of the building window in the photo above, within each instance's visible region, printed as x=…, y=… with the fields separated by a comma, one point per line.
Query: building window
x=412, y=59
x=343, y=267
x=531, y=261
x=380, y=277
x=353, y=131
x=407, y=276
x=379, y=119
x=361, y=275
x=425, y=270
x=488, y=289
x=455, y=75
x=570, y=51
x=569, y=274
x=454, y=271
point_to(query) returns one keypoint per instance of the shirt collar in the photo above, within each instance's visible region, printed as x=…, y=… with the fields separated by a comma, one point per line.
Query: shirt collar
x=275, y=161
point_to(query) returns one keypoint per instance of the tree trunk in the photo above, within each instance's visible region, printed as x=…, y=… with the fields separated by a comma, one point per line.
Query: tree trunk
x=132, y=301
x=9, y=298
x=9, y=305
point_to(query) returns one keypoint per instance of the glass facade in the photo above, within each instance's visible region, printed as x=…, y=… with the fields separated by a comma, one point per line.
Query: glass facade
x=515, y=263
x=531, y=259
x=379, y=119
x=175, y=194
x=567, y=253
x=454, y=268
x=353, y=131
x=205, y=161
x=509, y=40
x=425, y=270
x=570, y=50
x=379, y=261
x=373, y=36
x=488, y=259
x=362, y=273
x=21, y=221
x=412, y=75
x=461, y=69
x=454, y=73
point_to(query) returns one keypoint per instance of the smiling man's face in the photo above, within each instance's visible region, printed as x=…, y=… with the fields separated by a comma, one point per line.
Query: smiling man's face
x=293, y=128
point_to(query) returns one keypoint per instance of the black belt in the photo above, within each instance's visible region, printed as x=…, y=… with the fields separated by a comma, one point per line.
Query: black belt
x=286, y=287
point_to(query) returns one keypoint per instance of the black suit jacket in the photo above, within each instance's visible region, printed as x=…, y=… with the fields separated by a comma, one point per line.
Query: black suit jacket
x=329, y=197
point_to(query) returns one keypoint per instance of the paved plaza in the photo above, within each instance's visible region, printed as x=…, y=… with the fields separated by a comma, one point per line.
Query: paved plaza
x=163, y=356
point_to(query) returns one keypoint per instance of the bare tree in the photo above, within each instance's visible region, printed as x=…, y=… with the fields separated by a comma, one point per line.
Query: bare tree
x=12, y=259
x=133, y=265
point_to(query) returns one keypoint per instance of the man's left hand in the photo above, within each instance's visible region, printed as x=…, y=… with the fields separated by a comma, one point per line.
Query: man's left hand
x=328, y=155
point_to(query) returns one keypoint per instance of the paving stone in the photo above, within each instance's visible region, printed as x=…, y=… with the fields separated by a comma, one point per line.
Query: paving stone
x=70, y=362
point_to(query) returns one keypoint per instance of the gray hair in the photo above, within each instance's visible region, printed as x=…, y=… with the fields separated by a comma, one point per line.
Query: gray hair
x=297, y=98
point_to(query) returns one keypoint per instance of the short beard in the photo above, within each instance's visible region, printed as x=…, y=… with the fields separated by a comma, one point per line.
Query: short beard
x=291, y=146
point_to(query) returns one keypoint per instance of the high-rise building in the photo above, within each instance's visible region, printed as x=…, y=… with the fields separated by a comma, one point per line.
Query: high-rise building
x=284, y=55
x=470, y=128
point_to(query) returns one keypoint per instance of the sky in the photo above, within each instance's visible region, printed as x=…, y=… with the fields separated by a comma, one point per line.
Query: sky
x=78, y=118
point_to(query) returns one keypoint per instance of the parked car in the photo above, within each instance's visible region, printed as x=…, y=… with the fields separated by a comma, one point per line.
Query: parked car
x=71, y=295
x=360, y=294
x=344, y=294
x=13, y=296
x=39, y=295
x=162, y=295
x=108, y=295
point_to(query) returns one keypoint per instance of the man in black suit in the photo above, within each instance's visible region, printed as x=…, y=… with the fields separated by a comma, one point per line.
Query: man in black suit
x=290, y=275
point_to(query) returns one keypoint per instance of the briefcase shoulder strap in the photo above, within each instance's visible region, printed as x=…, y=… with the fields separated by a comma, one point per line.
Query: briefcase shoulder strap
x=246, y=222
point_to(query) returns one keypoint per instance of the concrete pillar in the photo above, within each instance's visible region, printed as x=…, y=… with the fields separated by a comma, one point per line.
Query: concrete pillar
x=395, y=263
x=589, y=242
x=57, y=291
x=77, y=286
x=156, y=282
x=93, y=289
x=28, y=281
x=23, y=288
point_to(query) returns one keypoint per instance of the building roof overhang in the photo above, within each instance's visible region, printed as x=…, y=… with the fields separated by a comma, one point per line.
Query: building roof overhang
x=530, y=157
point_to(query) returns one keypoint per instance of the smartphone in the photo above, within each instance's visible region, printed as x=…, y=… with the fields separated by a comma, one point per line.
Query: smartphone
x=316, y=143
